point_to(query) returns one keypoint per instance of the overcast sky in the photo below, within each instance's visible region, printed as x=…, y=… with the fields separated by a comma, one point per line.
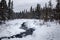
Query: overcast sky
x=20, y=5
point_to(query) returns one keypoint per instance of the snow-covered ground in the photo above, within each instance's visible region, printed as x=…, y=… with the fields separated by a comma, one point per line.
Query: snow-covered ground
x=43, y=30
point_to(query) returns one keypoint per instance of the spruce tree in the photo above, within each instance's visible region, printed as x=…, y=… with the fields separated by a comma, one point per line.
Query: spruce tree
x=31, y=9
x=4, y=9
x=37, y=10
x=58, y=6
x=10, y=11
x=58, y=9
x=46, y=12
x=50, y=4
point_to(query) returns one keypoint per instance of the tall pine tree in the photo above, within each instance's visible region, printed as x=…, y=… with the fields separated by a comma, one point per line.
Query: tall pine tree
x=3, y=10
x=10, y=11
x=58, y=6
x=37, y=10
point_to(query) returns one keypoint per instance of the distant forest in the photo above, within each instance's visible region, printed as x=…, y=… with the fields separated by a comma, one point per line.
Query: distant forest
x=46, y=13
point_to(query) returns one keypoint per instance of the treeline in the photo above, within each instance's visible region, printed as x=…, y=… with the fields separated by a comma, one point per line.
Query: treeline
x=46, y=13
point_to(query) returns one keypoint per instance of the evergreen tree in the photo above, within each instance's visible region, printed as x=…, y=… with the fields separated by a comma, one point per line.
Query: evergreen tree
x=58, y=6
x=37, y=10
x=4, y=9
x=32, y=12
x=10, y=11
x=46, y=12
x=50, y=10
x=57, y=15
x=50, y=4
x=31, y=9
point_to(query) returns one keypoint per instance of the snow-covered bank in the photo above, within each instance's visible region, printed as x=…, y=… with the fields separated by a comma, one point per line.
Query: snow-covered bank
x=43, y=30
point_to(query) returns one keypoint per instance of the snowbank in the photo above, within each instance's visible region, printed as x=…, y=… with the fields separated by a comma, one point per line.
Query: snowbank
x=43, y=30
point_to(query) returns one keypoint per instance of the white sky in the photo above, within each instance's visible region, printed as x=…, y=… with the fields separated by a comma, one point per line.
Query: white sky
x=20, y=5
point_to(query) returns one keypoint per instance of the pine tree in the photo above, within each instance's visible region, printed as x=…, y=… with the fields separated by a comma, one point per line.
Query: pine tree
x=57, y=15
x=46, y=12
x=37, y=10
x=31, y=9
x=50, y=10
x=50, y=4
x=58, y=6
x=10, y=7
x=32, y=12
x=4, y=9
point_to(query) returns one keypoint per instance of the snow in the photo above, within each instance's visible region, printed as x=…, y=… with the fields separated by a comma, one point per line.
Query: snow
x=43, y=30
